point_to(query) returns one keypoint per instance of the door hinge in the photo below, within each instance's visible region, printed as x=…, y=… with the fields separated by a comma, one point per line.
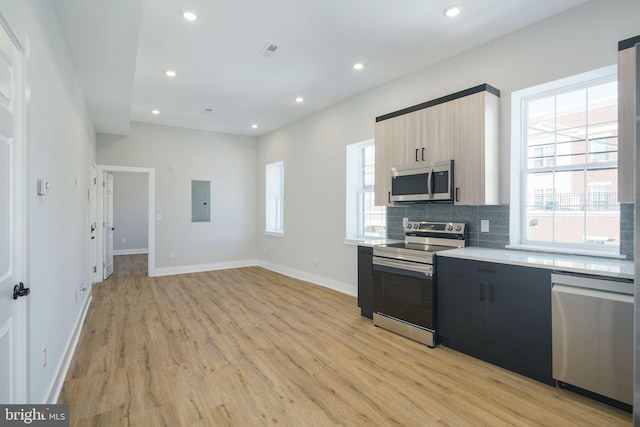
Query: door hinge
x=104, y=184
x=95, y=269
x=95, y=181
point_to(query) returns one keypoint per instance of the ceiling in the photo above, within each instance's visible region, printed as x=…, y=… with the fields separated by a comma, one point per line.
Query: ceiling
x=121, y=49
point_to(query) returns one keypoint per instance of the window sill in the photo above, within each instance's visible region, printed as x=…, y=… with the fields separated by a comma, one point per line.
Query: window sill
x=565, y=251
x=274, y=233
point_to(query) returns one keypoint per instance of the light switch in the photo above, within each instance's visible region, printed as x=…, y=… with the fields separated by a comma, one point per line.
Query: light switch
x=158, y=217
x=43, y=187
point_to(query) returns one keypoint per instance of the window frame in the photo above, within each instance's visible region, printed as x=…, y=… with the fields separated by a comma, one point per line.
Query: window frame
x=520, y=168
x=356, y=221
x=274, y=199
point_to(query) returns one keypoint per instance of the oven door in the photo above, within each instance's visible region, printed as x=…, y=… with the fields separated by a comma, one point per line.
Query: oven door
x=405, y=291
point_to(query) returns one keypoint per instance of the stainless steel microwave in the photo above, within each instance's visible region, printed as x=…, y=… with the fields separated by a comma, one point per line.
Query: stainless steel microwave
x=428, y=182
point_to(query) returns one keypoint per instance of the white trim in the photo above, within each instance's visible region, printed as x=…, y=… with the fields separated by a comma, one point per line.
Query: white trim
x=55, y=387
x=344, y=288
x=274, y=233
x=130, y=251
x=185, y=269
x=518, y=161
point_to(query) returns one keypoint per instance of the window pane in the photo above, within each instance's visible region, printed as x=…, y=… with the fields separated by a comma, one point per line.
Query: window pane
x=274, y=197
x=569, y=135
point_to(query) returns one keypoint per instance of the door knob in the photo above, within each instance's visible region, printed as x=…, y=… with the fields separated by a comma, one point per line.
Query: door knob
x=20, y=291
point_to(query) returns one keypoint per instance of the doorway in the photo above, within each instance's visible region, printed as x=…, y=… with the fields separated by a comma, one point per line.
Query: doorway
x=105, y=225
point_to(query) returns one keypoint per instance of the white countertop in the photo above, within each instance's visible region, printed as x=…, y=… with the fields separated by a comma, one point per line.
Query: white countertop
x=567, y=263
x=370, y=242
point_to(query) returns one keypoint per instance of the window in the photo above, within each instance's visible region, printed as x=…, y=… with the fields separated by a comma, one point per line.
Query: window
x=364, y=219
x=274, y=198
x=569, y=149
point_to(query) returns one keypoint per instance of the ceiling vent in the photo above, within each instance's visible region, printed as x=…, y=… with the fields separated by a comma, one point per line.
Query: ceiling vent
x=268, y=50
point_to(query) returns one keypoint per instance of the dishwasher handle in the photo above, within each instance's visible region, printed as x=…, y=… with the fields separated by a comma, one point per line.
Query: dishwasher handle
x=605, y=284
x=591, y=293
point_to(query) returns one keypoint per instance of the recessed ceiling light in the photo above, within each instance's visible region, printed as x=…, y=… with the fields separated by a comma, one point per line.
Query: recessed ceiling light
x=156, y=112
x=170, y=73
x=254, y=126
x=299, y=99
x=188, y=15
x=358, y=66
x=452, y=11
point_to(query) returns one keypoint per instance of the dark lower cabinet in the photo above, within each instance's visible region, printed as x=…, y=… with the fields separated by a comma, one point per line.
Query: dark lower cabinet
x=497, y=312
x=365, y=281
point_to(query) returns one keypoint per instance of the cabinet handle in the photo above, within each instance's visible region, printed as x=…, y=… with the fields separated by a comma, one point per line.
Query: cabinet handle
x=457, y=194
x=423, y=154
x=417, y=155
x=482, y=295
x=490, y=293
x=389, y=196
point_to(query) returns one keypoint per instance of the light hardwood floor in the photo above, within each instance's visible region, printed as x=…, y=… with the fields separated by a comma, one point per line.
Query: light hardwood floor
x=247, y=347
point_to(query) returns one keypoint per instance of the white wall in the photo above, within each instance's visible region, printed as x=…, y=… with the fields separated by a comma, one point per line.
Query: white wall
x=130, y=206
x=61, y=144
x=178, y=156
x=314, y=153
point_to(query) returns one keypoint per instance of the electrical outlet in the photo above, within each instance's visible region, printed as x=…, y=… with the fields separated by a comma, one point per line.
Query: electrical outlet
x=44, y=356
x=172, y=255
x=484, y=225
x=405, y=221
x=315, y=260
x=124, y=240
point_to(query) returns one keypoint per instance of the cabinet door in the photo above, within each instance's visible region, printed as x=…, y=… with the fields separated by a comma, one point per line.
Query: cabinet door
x=436, y=128
x=519, y=321
x=475, y=148
x=407, y=152
x=365, y=281
x=384, y=140
x=462, y=310
x=626, y=124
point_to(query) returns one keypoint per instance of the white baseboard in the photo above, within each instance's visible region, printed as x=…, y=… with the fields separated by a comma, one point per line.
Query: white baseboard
x=130, y=251
x=53, y=392
x=345, y=288
x=170, y=271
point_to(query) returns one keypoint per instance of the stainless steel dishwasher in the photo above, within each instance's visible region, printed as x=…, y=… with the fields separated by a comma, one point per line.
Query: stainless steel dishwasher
x=592, y=326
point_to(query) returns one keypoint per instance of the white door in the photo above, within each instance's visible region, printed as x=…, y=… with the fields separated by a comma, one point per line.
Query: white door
x=93, y=246
x=108, y=224
x=13, y=318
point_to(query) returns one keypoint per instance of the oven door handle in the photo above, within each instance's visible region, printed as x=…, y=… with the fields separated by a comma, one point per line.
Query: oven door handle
x=402, y=268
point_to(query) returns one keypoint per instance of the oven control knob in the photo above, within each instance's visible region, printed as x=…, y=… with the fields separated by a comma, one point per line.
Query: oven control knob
x=458, y=228
x=450, y=227
x=415, y=226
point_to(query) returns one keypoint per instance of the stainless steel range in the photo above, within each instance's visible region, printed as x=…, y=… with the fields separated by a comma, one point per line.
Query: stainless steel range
x=404, y=292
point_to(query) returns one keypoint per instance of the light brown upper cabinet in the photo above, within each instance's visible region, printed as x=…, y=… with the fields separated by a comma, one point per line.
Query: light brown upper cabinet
x=626, y=118
x=462, y=127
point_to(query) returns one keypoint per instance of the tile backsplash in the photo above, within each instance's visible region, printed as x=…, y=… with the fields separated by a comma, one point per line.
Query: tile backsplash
x=498, y=216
